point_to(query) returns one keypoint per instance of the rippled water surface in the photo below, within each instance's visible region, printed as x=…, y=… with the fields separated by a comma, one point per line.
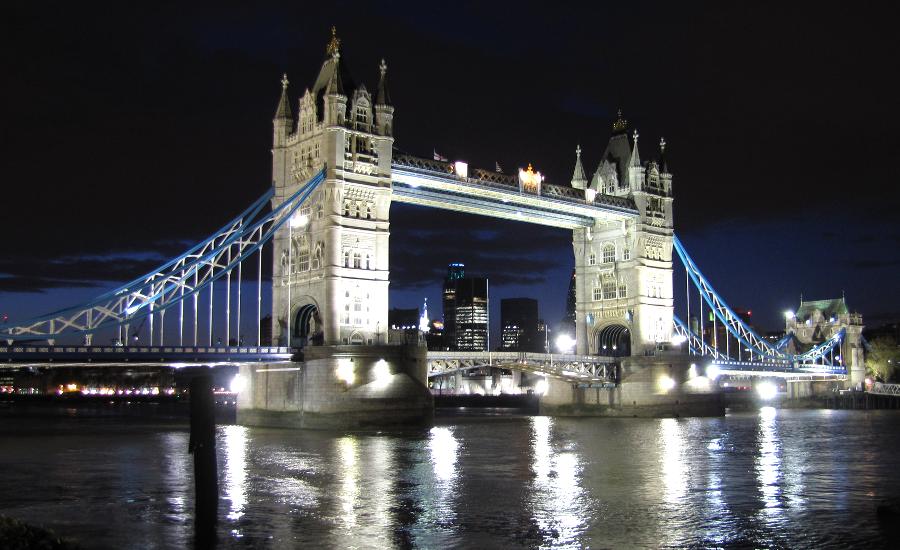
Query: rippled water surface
x=790, y=479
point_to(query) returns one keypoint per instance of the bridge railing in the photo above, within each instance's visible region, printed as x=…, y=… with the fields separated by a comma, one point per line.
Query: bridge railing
x=506, y=182
x=881, y=388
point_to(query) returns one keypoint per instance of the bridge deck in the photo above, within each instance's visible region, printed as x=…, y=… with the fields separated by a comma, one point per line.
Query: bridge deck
x=433, y=183
x=64, y=356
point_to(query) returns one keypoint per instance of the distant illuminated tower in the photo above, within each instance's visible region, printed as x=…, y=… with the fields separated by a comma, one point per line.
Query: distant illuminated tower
x=466, y=316
x=519, y=325
x=423, y=320
x=455, y=271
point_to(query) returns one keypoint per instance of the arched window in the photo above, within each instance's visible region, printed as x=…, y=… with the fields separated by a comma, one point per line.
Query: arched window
x=354, y=209
x=626, y=253
x=320, y=211
x=347, y=258
x=609, y=253
x=357, y=260
x=598, y=294
x=368, y=210
x=623, y=289
x=347, y=208
x=592, y=259
x=368, y=261
x=317, y=258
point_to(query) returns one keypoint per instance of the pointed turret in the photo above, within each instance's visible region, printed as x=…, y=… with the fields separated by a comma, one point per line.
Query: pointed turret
x=284, y=107
x=635, y=161
x=579, y=181
x=283, y=121
x=663, y=166
x=383, y=97
x=384, y=110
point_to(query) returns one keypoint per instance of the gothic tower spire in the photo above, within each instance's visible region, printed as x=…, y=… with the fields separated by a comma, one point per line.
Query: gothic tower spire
x=579, y=181
x=635, y=156
x=284, y=107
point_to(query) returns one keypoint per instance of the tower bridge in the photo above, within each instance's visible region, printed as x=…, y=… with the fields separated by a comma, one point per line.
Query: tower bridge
x=335, y=174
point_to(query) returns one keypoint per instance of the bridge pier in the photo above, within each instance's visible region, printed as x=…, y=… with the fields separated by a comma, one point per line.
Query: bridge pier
x=338, y=387
x=657, y=386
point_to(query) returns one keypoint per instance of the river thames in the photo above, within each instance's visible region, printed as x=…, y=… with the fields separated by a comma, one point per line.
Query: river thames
x=768, y=478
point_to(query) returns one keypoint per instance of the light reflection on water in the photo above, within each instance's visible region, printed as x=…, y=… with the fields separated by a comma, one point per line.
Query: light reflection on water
x=761, y=479
x=556, y=492
x=768, y=464
x=235, y=454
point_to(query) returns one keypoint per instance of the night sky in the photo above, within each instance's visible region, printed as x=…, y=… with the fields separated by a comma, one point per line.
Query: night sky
x=131, y=131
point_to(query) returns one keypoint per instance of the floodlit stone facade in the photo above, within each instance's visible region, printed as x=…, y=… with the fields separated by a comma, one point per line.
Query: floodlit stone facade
x=330, y=284
x=624, y=298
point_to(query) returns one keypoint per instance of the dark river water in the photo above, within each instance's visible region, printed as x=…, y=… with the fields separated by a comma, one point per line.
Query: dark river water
x=782, y=479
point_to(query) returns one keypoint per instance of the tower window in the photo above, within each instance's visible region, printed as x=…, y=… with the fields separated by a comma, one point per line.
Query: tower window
x=357, y=260
x=626, y=253
x=609, y=289
x=609, y=253
x=592, y=259
x=598, y=294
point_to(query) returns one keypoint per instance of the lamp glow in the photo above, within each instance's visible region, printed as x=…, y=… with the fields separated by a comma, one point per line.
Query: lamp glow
x=713, y=371
x=565, y=343
x=344, y=372
x=299, y=220
x=540, y=387
x=678, y=339
x=382, y=373
x=766, y=391
x=461, y=168
x=666, y=383
x=238, y=384
x=789, y=314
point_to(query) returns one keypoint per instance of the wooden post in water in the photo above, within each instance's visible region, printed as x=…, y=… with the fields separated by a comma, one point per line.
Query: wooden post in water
x=203, y=446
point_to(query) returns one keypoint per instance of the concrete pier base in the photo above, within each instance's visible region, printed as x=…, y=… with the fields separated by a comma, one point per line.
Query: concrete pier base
x=338, y=387
x=658, y=386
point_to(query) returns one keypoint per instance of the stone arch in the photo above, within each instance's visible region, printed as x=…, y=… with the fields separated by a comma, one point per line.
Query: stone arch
x=613, y=341
x=306, y=325
x=356, y=338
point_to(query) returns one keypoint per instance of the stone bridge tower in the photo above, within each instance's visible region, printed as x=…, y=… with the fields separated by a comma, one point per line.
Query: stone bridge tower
x=330, y=273
x=818, y=320
x=624, y=300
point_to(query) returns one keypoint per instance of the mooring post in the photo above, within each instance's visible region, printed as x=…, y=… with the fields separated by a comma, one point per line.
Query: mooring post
x=203, y=446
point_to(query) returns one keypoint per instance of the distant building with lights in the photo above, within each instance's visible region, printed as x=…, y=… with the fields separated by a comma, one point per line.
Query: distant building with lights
x=520, y=326
x=466, y=314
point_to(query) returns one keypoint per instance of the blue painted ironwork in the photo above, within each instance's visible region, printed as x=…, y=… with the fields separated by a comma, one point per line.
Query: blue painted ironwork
x=174, y=281
x=694, y=342
x=743, y=333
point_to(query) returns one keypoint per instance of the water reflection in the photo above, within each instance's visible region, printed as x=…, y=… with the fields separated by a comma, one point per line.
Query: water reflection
x=348, y=474
x=560, y=509
x=235, y=443
x=768, y=463
x=174, y=449
x=674, y=464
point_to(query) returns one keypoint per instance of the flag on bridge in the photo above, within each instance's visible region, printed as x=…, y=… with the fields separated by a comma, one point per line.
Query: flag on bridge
x=438, y=156
x=497, y=167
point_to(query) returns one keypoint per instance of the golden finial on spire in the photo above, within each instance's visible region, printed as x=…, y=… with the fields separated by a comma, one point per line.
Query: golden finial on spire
x=620, y=124
x=334, y=44
x=284, y=82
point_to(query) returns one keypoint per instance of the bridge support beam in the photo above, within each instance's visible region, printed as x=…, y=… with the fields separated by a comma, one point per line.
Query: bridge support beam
x=338, y=387
x=663, y=386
